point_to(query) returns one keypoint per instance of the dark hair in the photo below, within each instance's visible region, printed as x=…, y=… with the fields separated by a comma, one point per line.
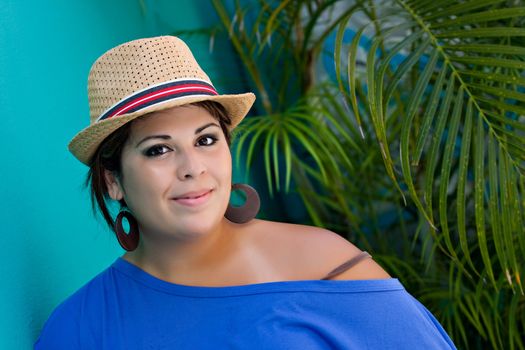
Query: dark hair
x=109, y=152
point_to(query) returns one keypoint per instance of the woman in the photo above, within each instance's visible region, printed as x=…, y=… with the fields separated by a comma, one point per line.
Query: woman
x=199, y=273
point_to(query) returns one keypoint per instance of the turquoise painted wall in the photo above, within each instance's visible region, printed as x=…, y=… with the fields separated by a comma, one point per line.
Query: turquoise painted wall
x=50, y=242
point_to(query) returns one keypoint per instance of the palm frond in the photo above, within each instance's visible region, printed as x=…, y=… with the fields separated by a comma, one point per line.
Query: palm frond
x=447, y=118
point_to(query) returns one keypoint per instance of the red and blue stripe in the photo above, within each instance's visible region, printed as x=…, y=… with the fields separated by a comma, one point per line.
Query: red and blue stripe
x=157, y=94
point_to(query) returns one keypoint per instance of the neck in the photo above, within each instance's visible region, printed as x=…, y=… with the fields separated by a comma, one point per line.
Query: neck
x=185, y=260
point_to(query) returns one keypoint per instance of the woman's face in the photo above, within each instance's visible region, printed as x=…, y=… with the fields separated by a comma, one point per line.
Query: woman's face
x=176, y=173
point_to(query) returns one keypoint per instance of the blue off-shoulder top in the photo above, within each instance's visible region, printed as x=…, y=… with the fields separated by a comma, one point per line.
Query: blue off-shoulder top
x=126, y=308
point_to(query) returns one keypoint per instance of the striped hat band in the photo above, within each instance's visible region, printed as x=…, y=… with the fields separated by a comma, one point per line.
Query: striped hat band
x=156, y=94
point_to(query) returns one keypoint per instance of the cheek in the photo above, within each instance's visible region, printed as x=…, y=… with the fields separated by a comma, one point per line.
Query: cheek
x=143, y=183
x=225, y=170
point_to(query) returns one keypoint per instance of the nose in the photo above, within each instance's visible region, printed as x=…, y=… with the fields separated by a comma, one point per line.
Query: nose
x=189, y=165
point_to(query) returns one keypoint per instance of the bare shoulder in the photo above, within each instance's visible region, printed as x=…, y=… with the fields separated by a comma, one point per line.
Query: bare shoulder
x=310, y=252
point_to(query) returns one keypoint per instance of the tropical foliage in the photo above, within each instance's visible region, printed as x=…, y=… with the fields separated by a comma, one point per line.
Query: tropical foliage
x=401, y=125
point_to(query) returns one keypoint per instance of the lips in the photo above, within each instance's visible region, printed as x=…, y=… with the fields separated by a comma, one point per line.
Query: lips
x=193, y=198
x=192, y=195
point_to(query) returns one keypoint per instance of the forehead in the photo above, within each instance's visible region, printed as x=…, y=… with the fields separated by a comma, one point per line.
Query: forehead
x=176, y=119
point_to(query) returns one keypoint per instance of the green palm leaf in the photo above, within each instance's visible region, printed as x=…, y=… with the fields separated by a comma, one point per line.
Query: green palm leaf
x=446, y=116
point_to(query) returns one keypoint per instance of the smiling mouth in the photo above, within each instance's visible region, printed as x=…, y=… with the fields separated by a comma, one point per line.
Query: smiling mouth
x=192, y=201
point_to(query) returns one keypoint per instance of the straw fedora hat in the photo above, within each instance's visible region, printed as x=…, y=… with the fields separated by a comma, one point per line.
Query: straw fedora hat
x=144, y=76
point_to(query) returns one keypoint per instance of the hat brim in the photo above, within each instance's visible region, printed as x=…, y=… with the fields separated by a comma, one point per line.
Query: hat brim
x=84, y=145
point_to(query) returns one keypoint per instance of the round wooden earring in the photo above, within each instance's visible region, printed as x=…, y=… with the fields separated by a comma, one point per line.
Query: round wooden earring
x=128, y=241
x=248, y=210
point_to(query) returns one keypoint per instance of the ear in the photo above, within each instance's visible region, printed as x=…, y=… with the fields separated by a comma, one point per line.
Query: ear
x=115, y=190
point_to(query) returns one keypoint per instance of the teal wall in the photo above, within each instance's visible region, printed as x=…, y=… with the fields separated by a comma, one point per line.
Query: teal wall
x=50, y=242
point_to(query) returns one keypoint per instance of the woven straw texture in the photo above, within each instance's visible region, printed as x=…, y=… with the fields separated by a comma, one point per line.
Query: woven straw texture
x=137, y=65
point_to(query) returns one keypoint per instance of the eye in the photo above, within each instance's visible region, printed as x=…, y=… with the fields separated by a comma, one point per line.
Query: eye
x=207, y=140
x=156, y=150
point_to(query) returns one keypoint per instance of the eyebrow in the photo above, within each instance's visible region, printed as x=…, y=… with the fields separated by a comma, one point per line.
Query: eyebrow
x=168, y=137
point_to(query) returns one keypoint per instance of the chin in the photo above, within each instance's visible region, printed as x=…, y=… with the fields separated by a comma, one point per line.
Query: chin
x=199, y=225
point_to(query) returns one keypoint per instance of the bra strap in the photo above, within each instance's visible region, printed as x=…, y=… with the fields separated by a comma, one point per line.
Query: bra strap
x=347, y=265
